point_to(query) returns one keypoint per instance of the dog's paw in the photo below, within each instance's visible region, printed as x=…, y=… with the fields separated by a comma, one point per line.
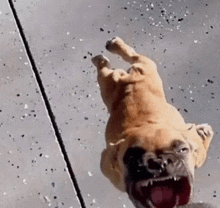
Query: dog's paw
x=112, y=45
x=205, y=131
x=101, y=61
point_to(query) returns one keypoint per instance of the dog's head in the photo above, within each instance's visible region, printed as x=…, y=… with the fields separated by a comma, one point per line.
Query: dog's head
x=158, y=180
x=159, y=171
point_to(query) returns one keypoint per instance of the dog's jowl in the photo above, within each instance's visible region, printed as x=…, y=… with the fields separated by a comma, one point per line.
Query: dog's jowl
x=151, y=153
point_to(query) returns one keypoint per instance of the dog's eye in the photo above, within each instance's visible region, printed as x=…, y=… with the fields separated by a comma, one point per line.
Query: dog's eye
x=183, y=150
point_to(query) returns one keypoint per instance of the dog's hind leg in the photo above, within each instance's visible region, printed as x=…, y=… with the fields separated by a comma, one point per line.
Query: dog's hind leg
x=141, y=68
x=117, y=46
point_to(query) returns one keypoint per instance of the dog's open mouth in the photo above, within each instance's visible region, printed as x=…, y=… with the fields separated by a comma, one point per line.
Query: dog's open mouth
x=166, y=192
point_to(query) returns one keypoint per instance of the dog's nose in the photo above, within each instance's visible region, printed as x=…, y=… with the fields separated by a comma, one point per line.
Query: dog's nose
x=154, y=165
x=157, y=165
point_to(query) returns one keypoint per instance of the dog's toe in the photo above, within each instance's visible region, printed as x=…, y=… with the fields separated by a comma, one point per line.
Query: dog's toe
x=100, y=61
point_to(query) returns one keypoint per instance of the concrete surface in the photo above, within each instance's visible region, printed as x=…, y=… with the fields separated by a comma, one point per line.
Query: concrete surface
x=33, y=172
x=181, y=36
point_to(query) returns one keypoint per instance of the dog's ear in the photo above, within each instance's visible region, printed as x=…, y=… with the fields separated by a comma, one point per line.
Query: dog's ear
x=205, y=133
x=200, y=137
x=110, y=167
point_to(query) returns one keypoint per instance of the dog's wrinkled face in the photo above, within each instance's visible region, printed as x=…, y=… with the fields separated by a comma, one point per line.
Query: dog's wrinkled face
x=161, y=178
x=157, y=180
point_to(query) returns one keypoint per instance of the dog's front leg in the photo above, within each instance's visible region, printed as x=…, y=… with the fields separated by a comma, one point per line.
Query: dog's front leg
x=107, y=79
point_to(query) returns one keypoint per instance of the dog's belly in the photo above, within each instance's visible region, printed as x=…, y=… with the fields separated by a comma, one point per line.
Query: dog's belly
x=141, y=102
x=138, y=110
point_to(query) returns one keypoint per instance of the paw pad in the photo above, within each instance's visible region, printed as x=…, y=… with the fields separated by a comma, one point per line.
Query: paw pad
x=110, y=45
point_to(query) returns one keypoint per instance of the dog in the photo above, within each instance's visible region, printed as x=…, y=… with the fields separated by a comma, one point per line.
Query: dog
x=151, y=153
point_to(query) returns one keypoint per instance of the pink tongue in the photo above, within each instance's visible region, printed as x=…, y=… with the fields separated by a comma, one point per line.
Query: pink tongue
x=162, y=195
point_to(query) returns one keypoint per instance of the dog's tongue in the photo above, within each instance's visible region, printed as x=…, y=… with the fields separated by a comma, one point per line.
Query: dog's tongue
x=163, y=197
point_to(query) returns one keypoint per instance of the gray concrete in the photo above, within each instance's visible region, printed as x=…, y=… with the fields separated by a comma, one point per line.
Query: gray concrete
x=181, y=36
x=33, y=172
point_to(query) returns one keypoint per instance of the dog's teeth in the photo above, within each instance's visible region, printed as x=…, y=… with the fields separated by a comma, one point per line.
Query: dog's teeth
x=147, y=183
x=177, y=201
x=151, y=182
x=150, y=204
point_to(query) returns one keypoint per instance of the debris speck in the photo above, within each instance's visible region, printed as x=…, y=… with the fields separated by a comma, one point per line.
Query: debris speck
x=25, y=181
x=90, y=174
x=47, y=199
x=210, y=81
x=23, y=117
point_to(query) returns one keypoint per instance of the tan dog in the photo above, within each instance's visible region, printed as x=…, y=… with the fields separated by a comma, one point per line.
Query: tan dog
x=151, y=152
